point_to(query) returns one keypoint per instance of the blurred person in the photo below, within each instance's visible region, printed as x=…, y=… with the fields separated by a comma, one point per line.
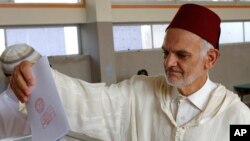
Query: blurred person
x=183, y=105
x=142, y=72
x=12, y=121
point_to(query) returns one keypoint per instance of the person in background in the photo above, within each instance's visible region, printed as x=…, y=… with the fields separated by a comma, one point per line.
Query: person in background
x=12, y=121
x=183, y=105
x=142, y=72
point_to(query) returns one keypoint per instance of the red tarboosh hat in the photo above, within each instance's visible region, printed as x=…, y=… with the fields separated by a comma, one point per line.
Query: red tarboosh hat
x=198, y=20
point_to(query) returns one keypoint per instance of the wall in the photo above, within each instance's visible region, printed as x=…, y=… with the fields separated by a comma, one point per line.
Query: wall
x=128, y=63
x=34, y=14
x=233, y=67
x=165, y=13
x=77, y=66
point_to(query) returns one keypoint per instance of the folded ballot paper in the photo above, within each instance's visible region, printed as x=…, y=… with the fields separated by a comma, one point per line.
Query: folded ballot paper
x=45, y=111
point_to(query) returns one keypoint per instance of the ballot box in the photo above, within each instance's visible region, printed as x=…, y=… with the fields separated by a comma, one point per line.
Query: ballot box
x=69, y=137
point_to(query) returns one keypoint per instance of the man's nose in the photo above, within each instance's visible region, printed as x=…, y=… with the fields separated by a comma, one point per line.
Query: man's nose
x=170, y=61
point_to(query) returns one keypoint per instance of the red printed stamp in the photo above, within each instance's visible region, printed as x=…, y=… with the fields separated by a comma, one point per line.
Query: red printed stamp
x=39, y=105
x=47, y=116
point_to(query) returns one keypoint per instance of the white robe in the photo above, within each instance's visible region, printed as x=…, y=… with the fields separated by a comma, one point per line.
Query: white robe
x=138, y=109
x=12, y=121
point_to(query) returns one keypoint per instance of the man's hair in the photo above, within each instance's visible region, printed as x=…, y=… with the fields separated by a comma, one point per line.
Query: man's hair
x=205, y=47
x=142, y=72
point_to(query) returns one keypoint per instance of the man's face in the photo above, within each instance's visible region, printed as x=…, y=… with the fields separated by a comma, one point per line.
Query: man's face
x=183, y=62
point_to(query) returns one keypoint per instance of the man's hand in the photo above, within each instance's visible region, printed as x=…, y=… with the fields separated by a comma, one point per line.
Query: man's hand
x=22, y=80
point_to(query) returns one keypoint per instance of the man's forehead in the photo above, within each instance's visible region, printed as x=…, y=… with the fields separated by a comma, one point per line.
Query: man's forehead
x=176, y=35
x=181, y=46
x=180, y=33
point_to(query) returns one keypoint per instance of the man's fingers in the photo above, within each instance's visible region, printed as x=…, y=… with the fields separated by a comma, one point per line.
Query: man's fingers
x=18, y=92
x=25, y=69
x=19, y=82
x=22, y=80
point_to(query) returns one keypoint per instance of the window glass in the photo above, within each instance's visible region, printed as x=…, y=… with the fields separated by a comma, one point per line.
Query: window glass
x=139, y=0
x=132, y=37
x=231, y=32
x=71, y=40
x=2, y=41
x=247, y=31
x=146, y=37
x=158, y=34
x=47, y=1
x=208, y=0
x=47, y=40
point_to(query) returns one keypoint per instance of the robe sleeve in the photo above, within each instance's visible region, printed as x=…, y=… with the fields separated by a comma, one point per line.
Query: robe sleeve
x=95, y=109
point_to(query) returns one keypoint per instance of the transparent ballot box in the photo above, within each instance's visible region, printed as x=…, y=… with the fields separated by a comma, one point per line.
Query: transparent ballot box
x=69, y=137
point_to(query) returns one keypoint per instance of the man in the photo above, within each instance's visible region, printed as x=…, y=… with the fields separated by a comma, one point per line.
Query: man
x=183, y=105
x=12, y=121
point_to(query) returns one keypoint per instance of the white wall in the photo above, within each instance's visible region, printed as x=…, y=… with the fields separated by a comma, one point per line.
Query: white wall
x=38, y=15
x=41, y=16
x=166, y=14
x=77, y=66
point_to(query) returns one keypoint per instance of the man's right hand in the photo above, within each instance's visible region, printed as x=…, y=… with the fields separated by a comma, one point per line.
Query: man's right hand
x=22, y=80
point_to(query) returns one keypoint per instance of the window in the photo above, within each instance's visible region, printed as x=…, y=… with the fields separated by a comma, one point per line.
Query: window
x=41, y=1
x=144, y=1
x=231, y=32
x=247, y=31
x=47, y=1
x=2, y=41
x=132, y=37
x=209, y=0
x=158, y=34
x=139, y=0
x=150, y=36
x=55, y=40
x=137, y=37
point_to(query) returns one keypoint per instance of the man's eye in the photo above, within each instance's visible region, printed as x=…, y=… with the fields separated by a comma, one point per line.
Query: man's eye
x=183, y=56
x=165, y=53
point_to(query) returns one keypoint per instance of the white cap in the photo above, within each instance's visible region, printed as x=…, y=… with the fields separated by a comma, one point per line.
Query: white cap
x=15, y=54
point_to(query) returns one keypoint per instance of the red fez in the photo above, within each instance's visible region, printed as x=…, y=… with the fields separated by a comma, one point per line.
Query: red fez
x=200, y=21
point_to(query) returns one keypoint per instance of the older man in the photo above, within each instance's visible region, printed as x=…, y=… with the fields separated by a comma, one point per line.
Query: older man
x=184, y=105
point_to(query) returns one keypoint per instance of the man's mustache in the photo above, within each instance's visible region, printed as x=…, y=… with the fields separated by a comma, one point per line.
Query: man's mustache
x=174, y=69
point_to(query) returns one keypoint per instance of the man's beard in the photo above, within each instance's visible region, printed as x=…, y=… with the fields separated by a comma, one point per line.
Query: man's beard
x=182, y=81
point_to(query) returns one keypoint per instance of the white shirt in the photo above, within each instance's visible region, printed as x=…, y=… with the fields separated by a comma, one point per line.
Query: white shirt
x=186, y=108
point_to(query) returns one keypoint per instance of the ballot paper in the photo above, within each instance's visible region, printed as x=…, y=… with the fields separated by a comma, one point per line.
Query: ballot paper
x=45, y=111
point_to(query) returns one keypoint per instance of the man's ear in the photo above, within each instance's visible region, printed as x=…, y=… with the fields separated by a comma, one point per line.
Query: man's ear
x=212, y=57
